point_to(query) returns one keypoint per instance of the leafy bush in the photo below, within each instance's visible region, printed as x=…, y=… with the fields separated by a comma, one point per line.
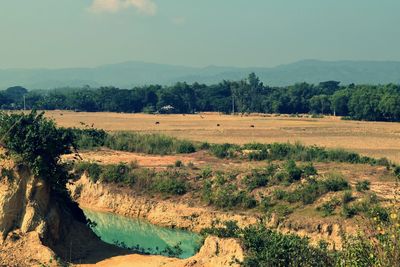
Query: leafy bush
x=93, y=170
x=265, y=247
x=88, y=138
x=178, y=164
x=347, y=197
x=362, y=186
x=255, y=179
x=311, y=191
x=206, y=172
x=294, y=173
x=335, y=182
x=229, y=229
x=266, y=203
x=224, y=150
x=170, y=185
x=185, y=147
x=39, y=144
x=226, y=196
x=378, y=246
x=280, y=194
x=282, y=210
x=120, y=173
x=329, y=207
x=309, y=170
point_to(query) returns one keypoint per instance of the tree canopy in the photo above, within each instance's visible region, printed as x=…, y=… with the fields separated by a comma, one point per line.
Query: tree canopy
x=360, y=102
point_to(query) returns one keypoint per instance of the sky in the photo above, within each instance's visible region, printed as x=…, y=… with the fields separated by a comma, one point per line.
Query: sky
x=242, y=33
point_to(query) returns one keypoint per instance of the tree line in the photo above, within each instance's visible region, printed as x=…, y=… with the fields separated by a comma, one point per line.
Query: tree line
x=360, y=102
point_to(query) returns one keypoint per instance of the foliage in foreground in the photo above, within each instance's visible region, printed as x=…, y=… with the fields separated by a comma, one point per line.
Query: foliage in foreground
x=37, y=143
x=266, y=247
x=378, y=246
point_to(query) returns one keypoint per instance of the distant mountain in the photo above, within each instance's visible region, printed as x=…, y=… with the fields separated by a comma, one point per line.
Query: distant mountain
x=128, y=74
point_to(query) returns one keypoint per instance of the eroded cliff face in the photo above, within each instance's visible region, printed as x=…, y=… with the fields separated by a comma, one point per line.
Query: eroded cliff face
x=24, y=206
x=37, y=225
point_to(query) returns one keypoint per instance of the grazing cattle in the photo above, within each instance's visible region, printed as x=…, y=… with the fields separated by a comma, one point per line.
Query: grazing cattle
x=218, y=125
x=157, y=122
x=252, y=126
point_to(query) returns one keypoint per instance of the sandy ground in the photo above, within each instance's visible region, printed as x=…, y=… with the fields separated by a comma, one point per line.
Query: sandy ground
x=378, y=139
x=106, y=156
x=133, y=260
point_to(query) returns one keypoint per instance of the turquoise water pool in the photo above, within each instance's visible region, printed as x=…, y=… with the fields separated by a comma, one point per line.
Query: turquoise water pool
x=143, y=236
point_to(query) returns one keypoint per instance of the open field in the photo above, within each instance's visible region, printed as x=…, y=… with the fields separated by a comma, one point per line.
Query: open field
x=377, y=139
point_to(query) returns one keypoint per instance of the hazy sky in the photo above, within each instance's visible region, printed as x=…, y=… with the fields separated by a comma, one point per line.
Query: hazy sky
x=73, y=33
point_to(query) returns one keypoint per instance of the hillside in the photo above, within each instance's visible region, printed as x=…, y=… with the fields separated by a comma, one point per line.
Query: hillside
x=138, y=73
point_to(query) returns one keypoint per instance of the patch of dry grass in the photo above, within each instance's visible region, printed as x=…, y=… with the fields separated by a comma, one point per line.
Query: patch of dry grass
x=376, y=139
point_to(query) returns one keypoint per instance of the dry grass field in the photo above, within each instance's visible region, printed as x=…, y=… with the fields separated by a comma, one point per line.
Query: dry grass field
x=378, y=139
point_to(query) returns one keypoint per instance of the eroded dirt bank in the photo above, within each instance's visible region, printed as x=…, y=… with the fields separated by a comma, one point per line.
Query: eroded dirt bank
x=38, y=226
x=178, y=214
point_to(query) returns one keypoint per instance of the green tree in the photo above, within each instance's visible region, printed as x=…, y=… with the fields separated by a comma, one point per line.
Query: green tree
x=320, y=104
x=340, y=102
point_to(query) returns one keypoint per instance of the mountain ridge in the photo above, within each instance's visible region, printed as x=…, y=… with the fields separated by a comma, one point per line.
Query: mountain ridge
x=132, y=73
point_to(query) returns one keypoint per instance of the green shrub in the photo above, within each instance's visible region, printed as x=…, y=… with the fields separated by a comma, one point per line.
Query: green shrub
x=265, y=247
x=207, y=192
x=170, y=185
x=294, y=173
x=226, y=195
x=206, y=172
x=335, y=182
x=329, y=207
x=178, y=164
x=88, y=138
x=205, y=146
x=282, y=210
x=347, y=197
x=185, y=147
x=349, y=211
x=280, y=194
x=310, y=192
x=266, y=203
x=396, y=171
x=93, y=170
x=229, y=229
x=362, y=186
x=255, y=180
x=224, y=150
x=309, y=170
x=120, y=173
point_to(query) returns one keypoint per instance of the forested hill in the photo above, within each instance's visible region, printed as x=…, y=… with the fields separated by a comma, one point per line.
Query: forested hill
x=131, y=74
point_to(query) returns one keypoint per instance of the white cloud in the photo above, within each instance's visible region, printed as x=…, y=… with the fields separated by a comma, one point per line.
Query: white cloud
x=146, y=7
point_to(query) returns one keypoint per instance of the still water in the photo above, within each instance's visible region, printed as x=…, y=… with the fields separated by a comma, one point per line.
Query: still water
x=142, y=236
